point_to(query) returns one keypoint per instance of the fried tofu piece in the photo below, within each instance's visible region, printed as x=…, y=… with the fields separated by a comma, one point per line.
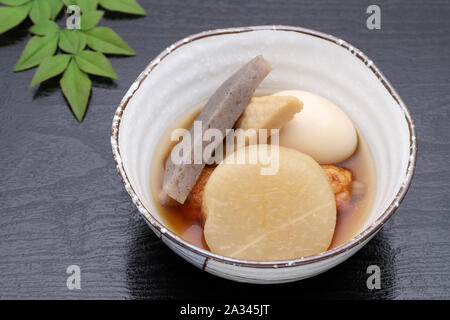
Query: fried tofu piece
x=191, y=209
x=341, y=181
x=265, y=112
x=196, y=195
x=269, y=112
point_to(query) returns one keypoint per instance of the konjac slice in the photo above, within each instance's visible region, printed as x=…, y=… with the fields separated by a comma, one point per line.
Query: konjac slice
x=221, y=112
x=286, y=215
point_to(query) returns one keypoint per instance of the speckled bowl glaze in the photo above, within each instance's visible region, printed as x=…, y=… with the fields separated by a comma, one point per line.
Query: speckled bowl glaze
x=190, y=70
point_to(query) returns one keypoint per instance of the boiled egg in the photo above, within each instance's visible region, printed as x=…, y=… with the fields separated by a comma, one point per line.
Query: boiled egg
x=321, y=130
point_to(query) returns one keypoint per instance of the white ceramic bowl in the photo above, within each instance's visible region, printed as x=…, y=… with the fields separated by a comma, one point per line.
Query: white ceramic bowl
x=190, y=70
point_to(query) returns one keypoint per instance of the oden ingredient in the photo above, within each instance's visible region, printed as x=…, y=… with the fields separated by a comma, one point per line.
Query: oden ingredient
x=196, y=195
x=191, y=208
x=269, y=112
x=287, y=215
x=321, y=130
x=341, y=181
x=266, y=112
x=221, y=112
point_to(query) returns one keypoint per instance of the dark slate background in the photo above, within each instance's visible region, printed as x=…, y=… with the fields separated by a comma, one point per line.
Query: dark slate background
x=62, y=203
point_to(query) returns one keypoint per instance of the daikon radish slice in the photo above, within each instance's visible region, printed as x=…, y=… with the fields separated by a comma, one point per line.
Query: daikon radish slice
x=286, y=215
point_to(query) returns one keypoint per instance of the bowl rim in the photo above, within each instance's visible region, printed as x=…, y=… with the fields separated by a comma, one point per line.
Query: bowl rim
x=361, y=237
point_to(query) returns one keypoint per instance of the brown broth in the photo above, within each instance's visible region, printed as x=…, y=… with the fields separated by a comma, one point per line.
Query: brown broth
x=352, y=218
x=186, y=224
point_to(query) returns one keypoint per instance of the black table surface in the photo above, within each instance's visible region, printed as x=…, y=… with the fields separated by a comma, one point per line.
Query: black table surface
x=62, y=202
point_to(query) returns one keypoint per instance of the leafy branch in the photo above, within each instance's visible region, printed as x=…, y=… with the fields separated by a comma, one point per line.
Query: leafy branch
x=15, y=11
x=75, y=54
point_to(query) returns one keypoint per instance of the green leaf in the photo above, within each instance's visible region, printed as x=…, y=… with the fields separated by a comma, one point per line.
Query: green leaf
x=45, y=28
x=55, y=6
x=69, y=3
x=40, y=11
x=14, y=3
x=105, y=40
x=36, y=50
x=127, y=6
x=76, y=87
x=50, y=67
x=95, y=63
x=90, y=19
x=87, y=5
x=12, y=16
x=72, y=41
